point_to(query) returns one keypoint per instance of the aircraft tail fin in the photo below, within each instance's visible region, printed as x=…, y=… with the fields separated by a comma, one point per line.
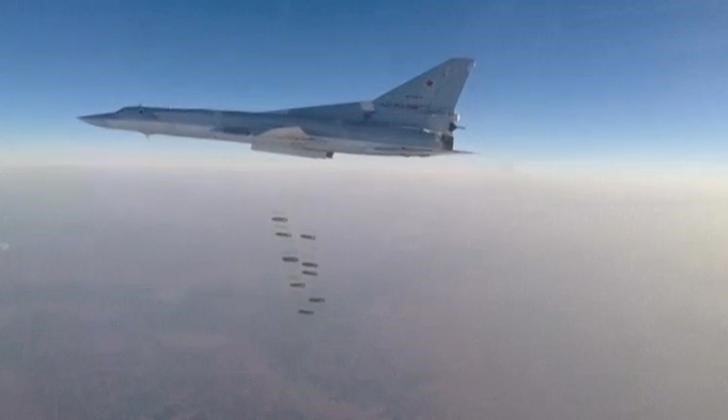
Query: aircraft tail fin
x=435, y=91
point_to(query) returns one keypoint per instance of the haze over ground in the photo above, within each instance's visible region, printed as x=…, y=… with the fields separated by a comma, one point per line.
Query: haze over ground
x=453, y=291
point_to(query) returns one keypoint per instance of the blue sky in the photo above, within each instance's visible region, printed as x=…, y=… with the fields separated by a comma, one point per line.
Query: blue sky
x=560, y=79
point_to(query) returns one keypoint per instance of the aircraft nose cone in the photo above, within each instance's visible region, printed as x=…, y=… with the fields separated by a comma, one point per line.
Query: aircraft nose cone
x=98, y=120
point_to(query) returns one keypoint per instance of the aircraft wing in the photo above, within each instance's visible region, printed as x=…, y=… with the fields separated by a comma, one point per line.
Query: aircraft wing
x=293, y=133
x=289, y=141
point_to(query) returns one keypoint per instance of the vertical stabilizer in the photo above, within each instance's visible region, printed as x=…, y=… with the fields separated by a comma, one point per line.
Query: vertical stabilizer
x=435, y=91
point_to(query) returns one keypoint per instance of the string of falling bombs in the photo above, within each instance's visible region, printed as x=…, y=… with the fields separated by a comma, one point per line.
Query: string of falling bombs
x=305, y=268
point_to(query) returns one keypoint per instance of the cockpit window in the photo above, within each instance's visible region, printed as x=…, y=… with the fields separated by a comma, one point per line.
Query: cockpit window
x=131, y=110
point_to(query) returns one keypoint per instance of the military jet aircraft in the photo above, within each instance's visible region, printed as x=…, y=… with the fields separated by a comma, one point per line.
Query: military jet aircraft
x=416, y=118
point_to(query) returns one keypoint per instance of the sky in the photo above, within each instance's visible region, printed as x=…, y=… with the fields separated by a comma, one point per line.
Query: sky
x=618, y=80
